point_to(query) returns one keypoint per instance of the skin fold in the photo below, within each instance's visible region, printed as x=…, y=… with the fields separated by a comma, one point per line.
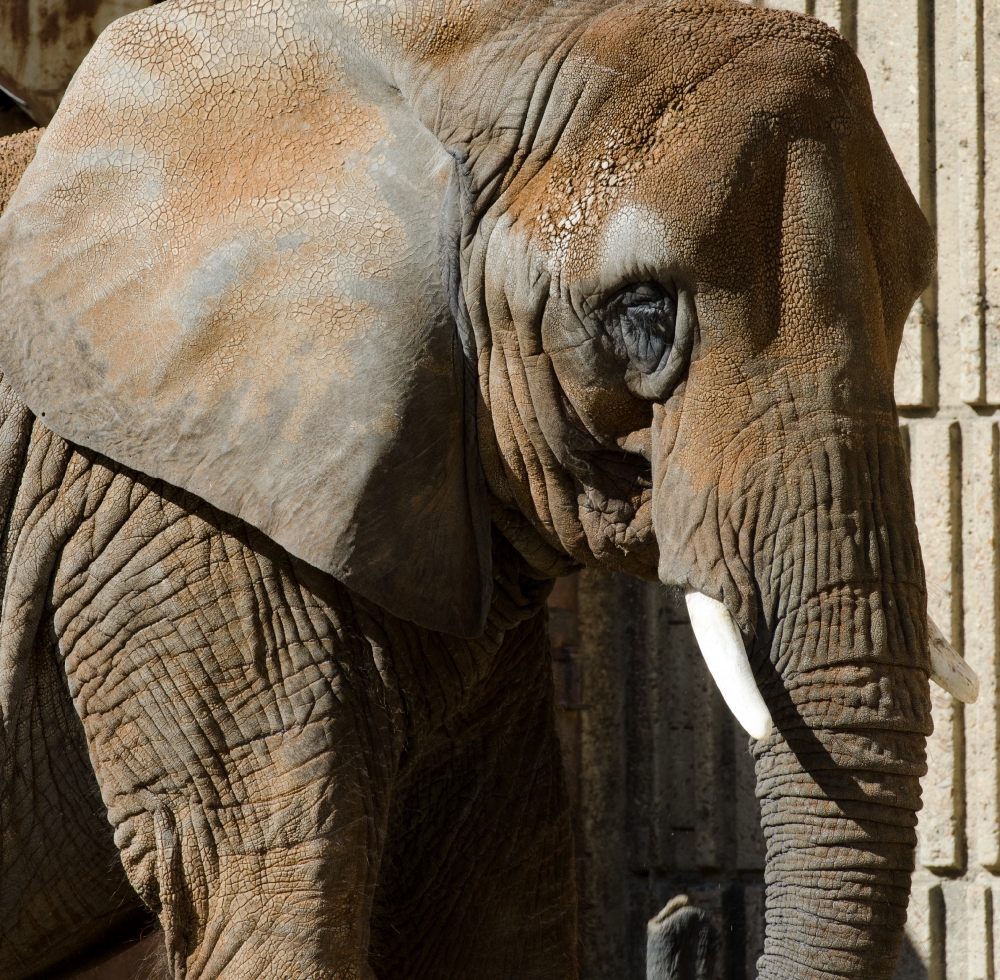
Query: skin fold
x=331, y=333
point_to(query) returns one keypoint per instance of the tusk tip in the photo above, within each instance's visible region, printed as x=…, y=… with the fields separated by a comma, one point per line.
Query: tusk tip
x=948, y=670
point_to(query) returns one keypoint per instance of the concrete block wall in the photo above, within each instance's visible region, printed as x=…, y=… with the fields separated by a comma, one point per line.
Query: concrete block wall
x=660, y=776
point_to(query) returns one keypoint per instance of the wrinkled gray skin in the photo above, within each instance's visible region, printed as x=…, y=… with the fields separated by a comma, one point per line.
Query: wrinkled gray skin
x=348, y=771
x=330, y=333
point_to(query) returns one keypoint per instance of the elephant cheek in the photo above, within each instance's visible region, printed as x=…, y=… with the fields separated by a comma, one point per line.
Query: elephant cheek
x=699, y=546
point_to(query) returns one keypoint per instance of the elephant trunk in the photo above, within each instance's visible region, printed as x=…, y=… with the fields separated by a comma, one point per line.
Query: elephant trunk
x=820, y=563
x=838, y=808
x=841, y=658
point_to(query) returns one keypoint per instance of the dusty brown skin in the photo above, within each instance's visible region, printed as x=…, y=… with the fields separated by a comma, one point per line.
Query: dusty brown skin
x=15, y=154
x=303, y=781
x=325, y=773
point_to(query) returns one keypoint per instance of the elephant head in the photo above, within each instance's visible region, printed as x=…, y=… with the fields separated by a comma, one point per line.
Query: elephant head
x=626, y=280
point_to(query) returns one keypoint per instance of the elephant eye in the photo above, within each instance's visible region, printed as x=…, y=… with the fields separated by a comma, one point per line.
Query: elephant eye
x=642, y=318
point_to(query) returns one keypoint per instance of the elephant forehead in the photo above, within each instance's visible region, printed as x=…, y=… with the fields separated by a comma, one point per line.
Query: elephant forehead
x=666, y=148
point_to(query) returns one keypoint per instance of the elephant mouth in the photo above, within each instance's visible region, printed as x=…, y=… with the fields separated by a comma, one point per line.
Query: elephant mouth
x=614, y=494
x=620, y=475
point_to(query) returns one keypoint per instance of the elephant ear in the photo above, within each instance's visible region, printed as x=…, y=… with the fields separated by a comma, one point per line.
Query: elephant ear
x=223, y=269
x=891, y=216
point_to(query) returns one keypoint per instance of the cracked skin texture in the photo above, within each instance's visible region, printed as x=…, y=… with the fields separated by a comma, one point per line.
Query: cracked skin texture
x=276, y=336
x=243, y=250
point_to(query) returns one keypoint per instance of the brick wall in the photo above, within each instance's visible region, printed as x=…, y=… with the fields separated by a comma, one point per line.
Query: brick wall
x=660, y=778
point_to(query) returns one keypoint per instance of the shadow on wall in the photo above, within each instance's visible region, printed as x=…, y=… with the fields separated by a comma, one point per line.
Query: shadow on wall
x=660, y=780
x=911, y=966
x=144, y=960
x=12, y=119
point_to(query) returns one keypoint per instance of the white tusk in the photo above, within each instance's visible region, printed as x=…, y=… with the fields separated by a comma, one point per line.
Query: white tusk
x=722, y=647
x=948, y=669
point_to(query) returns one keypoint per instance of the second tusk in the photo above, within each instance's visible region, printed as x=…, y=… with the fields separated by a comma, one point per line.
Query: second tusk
x=948, y=669
x=721, y=644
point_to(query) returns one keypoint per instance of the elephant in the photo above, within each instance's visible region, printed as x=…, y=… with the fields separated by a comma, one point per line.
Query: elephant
x=332, y=332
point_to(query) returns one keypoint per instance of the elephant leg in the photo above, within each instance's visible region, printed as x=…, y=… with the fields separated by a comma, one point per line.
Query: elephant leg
x=64, y=896
x=242, y=732
x=479, y=851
